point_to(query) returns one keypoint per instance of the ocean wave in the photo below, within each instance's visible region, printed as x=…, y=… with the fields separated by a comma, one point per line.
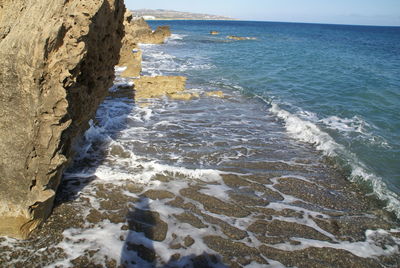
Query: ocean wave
x=157, y=62
x=309, y=132
x=175, y=36
x=354, y=126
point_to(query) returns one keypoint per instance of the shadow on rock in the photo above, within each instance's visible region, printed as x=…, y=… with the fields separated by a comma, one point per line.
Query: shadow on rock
x=146, y=228
x=94, y=147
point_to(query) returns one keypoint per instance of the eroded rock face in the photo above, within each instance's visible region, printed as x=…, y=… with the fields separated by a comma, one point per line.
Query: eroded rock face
x=142, y=32
x=138, y=31
x=57, y=60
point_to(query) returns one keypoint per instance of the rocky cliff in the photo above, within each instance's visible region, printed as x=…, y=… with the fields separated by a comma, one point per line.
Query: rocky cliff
x=138, y=31
x=57, y=62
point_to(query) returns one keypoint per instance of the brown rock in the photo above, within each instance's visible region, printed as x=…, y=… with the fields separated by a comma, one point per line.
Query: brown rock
x=130, y=53
x=286, y=229
x=188, y=241
x=138, y=31
x=228, y=249
x=149, y=223
x=214, y=32
x=217, y=94
x=57, y=62
x=318, y=257
x=191, y=219
x=158, y=86
x=185, y=96
x=214, y=204
x=143, y=252
x=158, y=194
x=161, y=33
x=133, y=70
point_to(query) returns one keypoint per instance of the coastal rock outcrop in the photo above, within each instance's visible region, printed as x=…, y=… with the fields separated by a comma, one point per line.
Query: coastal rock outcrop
x=138, y=31
x=158, y=86
x=57, y=62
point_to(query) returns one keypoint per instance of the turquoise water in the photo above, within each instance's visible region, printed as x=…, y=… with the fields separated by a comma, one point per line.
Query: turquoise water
x=334, y=86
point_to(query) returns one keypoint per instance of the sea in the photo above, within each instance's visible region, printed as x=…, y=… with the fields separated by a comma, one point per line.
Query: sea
x=297, y=165
x=336, y=87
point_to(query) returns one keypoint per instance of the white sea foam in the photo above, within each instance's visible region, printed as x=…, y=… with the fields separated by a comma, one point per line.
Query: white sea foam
x=355, y=125
x=309, y=132
x=104, y=238
x=119, y=69
x=157, y=62
x=378, y=243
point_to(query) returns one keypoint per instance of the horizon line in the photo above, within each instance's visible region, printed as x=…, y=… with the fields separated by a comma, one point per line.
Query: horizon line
x=273, y=21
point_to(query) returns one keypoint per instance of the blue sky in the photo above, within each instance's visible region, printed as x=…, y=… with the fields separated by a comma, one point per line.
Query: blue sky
x=367, y=12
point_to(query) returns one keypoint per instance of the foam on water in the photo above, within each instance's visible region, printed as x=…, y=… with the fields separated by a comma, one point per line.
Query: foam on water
x=144, y=169
x=309, y=132
x=157, y=62
x=378, y=243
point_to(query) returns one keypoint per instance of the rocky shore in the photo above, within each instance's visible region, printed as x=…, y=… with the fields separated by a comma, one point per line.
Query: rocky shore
x=262, y=208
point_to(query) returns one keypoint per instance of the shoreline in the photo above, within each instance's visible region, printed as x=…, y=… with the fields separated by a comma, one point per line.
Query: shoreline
x=142, y=193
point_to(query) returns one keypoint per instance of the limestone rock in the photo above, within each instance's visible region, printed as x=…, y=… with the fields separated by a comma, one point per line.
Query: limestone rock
x=138, y=31
x=130, y=52
x=132, y=70
x=217, y=94
x=183, y=96
x=158, y=86
x=155, y=37
x=160, y=34
x=57, y=62
x=239, y=38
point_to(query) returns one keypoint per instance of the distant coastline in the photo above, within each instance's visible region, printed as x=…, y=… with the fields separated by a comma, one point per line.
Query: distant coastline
x=162, y=14
x=167, y=19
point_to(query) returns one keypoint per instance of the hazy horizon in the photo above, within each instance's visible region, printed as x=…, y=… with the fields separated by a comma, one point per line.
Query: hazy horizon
x=353, y=12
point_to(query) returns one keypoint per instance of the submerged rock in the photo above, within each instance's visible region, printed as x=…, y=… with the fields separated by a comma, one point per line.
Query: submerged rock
x=217, y=94
x=57, y=62
x=158, y=86
x=239, y=38
x=183, y=96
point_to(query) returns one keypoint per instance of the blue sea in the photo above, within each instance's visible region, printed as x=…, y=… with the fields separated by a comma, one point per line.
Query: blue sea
x=336, y=87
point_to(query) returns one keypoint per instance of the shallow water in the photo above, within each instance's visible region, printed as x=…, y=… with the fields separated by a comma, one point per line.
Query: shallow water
x=334, y=86
x=212, y=182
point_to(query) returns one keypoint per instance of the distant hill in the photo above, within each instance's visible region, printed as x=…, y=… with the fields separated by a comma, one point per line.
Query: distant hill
x=162, y=14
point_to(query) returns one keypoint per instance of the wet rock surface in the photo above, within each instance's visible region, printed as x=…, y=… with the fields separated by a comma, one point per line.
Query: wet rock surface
x=158, y=86
x=181, y=215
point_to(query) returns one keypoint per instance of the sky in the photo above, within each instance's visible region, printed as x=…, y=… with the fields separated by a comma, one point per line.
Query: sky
x=360, y=12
